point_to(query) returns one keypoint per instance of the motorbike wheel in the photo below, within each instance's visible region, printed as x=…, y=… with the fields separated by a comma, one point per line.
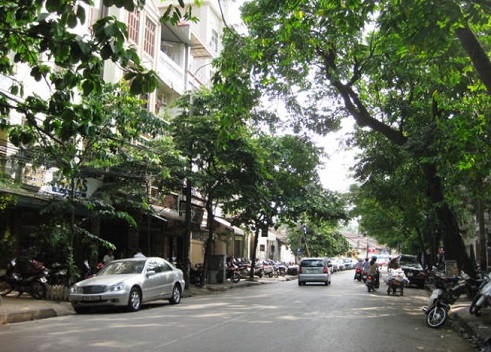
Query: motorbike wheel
x=235, y=277
x=5, y=288
x=436, y=317
x=474, y=309
x=37, y=290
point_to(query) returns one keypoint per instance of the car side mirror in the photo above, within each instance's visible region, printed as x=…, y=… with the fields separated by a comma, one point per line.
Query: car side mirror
x=150, y=273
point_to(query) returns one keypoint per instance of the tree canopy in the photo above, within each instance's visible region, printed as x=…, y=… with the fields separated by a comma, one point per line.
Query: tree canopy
x=401, y=69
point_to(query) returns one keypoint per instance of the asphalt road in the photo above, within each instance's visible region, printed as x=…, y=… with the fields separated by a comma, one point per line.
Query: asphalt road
x=280, y=316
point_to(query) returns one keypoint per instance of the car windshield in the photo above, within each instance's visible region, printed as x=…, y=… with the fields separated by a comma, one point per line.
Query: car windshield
x=312, y=263
x=117, y=268
x=412, y=265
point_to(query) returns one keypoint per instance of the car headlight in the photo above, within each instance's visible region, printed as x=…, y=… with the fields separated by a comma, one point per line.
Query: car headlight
x=118, y=287
x=76, y=289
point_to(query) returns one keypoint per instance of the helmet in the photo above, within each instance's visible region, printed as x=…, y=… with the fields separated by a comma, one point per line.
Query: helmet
x=374, y=257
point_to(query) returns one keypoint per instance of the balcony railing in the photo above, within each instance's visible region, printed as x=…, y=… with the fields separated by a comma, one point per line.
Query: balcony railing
x=170, y=73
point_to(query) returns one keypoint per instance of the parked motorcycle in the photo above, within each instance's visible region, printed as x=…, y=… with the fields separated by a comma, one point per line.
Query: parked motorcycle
x=57, y=274
x=195, y=274
x=245, y=270
x=447, y=292
x=281, y=269
x=28, y=276
x=483, y=297
x=233, y=273
x=267, y=268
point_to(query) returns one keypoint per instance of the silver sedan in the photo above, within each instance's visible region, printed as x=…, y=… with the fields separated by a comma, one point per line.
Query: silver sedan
x=129, y=283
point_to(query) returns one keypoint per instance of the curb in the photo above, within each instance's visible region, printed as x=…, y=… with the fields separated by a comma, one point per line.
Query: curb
x=19, y=317
x=47, y=312
x=465, y=330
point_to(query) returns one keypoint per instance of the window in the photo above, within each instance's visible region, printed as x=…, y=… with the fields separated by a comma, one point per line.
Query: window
x=149, y=40
x=262, y=247
x=214, y=40
x=133, y=26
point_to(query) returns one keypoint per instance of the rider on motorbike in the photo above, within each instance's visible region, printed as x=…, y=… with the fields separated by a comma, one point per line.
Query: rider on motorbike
x=358, y=268
x=373, y=269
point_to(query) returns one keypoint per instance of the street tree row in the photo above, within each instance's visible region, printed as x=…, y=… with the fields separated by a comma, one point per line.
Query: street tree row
x=415, y=77
x=89, y=128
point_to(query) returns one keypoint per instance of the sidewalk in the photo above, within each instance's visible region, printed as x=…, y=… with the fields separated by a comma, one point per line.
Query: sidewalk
x=477, y=330
x=15, y=309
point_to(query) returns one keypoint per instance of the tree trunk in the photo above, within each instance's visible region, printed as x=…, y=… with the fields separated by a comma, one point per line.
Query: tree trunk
x=483, y=260
x=186, y=242
x=254, y=250
x=209, y=242
x=476, y=53
x=453, y=243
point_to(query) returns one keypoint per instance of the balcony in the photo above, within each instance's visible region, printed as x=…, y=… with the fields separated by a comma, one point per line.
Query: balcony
x=170, y=73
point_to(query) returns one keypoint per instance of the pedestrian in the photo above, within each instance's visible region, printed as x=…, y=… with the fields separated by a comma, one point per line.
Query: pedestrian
x=109, y=257
x=139, y=254
x=86, y=270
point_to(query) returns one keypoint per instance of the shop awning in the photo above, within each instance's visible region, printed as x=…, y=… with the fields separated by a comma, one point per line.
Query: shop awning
x=167, y=213
x=227, y=226
x=238, y=231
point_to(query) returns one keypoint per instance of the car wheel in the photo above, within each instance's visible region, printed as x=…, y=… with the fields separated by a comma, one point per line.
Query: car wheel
x=134, y=300
x=176, y=295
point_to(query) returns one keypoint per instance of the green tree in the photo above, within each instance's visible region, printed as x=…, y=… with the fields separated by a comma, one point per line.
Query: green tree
x=216, y=161
x=115, y=153
x=330, y=60
x=286, y=189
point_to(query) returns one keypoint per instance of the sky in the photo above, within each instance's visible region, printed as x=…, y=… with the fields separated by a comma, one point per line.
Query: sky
x=335, y=174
